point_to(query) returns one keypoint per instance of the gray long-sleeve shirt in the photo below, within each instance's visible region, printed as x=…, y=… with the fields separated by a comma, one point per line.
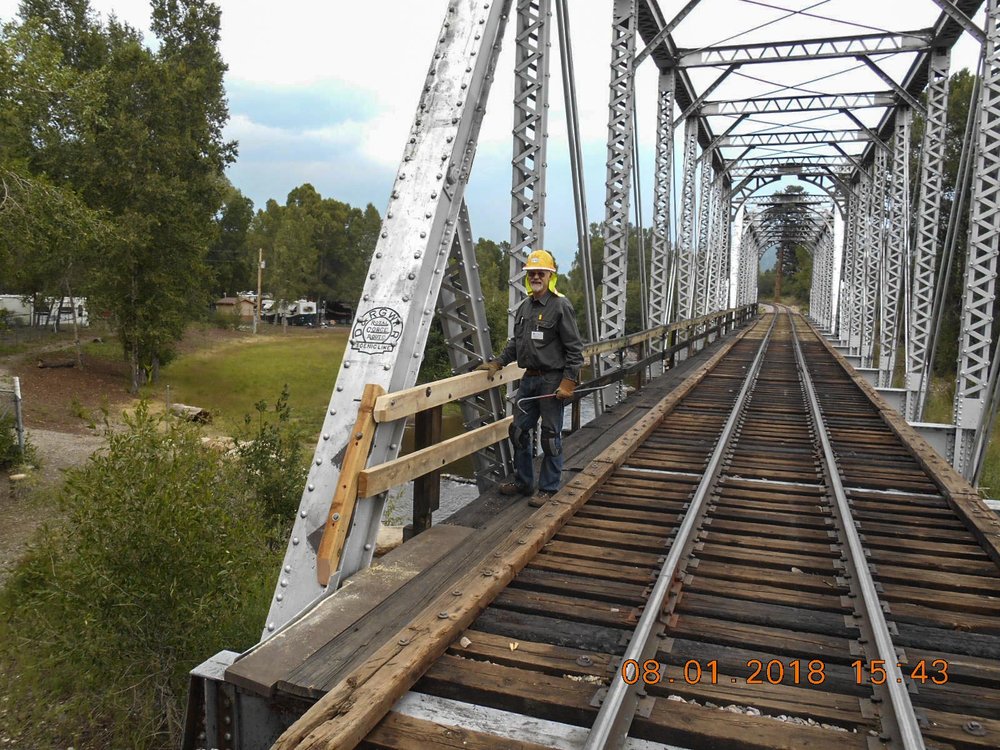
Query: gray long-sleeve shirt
x=546, y=337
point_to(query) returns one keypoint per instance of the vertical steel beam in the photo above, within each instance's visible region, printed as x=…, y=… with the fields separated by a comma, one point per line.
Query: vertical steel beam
x=859, y=251
x=828, y=276
x=686, y=268
x=874, y=238
x=720, y=243
x=975, y=345
x=619, y=169
x=828, y=280
x=397, y=303
x=660, y=291
x=704, y=251
x=530, y=131
x=816, y=303
x=847, y=268
x=462, y=313
x=926, y=244
x=896, y=244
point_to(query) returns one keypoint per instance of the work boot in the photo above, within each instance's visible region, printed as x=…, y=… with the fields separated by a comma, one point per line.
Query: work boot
x=540, y=498
x=513, y=488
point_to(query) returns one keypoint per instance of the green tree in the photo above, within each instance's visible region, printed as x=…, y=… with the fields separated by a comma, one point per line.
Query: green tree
x=315, y=247
x=48, y=109
x=229, y=256
x=162, y=156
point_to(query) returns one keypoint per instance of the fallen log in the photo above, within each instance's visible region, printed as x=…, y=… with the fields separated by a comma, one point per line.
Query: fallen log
x=191, y=413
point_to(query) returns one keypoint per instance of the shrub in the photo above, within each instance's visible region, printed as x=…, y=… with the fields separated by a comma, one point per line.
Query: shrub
x=270, y=453
x=10, y=450
x=164, y=557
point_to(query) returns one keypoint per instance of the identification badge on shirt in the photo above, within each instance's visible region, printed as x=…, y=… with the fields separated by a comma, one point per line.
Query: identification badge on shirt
x=537, y=335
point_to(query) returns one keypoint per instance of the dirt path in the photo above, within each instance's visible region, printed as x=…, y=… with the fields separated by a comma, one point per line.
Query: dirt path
x=25, y=504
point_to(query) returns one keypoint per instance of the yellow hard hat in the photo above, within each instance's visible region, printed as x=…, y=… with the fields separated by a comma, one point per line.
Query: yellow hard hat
x=539, y=260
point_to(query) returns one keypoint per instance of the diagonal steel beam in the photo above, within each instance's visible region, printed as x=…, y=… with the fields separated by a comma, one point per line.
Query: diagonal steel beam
x=905, y=95
x=693, y=107
x=861, y=126
x=959, y=17
x=662, y=33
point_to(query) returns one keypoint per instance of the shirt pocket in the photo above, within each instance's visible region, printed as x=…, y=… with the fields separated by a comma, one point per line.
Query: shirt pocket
x=547, y=329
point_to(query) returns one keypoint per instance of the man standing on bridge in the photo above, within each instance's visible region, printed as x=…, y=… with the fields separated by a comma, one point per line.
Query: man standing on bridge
x=547, y=344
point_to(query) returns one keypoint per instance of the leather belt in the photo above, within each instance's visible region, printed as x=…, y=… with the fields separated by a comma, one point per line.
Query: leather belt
x=536, y=373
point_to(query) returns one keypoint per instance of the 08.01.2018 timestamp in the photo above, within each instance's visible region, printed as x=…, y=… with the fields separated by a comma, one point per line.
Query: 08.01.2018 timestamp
x=777, y=671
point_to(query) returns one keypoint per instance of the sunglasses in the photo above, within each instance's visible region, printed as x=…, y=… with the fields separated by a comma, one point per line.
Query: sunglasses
x=538, y=274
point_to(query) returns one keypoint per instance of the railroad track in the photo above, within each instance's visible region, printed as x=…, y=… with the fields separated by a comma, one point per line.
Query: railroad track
x=762, y=572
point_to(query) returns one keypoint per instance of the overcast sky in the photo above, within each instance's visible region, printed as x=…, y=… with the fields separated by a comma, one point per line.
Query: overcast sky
x=324, y=91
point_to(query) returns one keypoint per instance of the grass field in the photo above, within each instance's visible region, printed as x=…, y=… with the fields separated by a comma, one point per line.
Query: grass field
x=230, y=376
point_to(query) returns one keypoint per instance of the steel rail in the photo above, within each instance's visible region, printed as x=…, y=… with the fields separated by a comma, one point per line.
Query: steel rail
x=611, y=712
x=899, y=697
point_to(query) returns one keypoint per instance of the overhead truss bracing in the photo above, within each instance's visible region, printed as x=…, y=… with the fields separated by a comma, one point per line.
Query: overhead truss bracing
x=812, y=49
x=813, y=103
x=753, y=122
x=795, y=137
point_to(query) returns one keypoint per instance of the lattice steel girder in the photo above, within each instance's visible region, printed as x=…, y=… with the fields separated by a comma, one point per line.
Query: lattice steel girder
x=874, y=239
x=859, y=236
x=530, y=131
x=795, y=160
x=976, y=356
x=619, y=170
x=795, y=138
x=778, y=235
x=776, y=171
x=783, y=199
x=925, y=245
x=661, y=288
x=848, y=293
x=822, y=282
x=462, y=313
x=748, y=186
x=896, y=246
x=808, y=49
x=686, y=268
x=721, y=234
x=397, y=303
x=704, y=252
x=799, y=103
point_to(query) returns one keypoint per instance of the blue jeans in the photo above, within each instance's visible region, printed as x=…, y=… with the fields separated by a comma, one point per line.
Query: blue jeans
x=526, y=416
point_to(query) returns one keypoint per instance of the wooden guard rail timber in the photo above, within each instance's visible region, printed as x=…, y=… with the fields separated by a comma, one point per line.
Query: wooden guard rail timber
x=358, y=481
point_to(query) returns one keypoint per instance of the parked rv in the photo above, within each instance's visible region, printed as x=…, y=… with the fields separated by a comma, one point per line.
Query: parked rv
x=50, y=312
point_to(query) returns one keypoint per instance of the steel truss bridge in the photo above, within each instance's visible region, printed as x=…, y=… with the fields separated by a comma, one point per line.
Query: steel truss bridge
x=770, y=105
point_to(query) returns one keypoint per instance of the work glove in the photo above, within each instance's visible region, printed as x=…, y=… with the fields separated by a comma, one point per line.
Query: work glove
x=565, y=389
x=492, y=367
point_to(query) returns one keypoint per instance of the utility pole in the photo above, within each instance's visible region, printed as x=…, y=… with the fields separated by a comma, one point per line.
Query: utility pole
x=260, y=274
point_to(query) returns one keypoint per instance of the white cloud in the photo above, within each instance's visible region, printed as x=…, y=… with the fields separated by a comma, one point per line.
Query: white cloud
x=357, y=68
